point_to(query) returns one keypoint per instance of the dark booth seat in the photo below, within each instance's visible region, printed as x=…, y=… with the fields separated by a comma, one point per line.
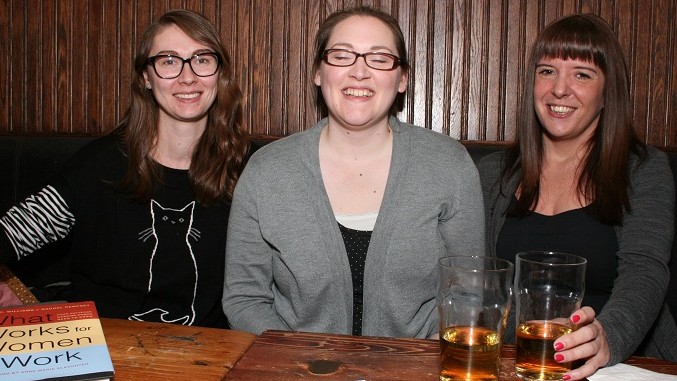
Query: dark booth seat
x=27, y=163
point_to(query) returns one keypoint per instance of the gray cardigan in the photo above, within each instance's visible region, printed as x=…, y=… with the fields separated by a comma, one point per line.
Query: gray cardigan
x=286, y=263
x=636, y=307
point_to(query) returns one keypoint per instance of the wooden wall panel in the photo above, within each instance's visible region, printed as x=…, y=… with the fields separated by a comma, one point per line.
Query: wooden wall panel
x=5, y=63
x=671, y=114
x=65, y=67
x=15, y=72
x=659, y=74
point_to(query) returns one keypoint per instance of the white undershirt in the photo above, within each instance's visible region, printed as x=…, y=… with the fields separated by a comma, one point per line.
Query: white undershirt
x=364, y=222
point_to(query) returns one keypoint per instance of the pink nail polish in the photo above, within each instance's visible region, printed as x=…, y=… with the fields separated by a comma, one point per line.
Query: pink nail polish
x=559, y=357
x=566, y=377
x=559, y=346
x=575, y=319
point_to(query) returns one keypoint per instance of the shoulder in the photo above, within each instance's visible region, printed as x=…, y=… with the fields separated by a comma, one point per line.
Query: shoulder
x=651, y=175
x=654, y=157
x=281, y=150
x=492, y=160
x=491, y=165
x=283, y=158
x=430, y=148
x=426, y=139
x=102, y=147
x=654, y=164
x=103, y=157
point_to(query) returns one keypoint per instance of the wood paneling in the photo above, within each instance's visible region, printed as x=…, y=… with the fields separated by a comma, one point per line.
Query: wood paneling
x=65, y=67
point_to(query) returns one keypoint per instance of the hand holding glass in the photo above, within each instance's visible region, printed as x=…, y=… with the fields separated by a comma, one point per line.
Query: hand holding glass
x=473, y=302
x=549, y=287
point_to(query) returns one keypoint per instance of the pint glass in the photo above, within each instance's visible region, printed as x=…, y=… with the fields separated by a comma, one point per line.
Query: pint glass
x=473, y=301
x=549, y=287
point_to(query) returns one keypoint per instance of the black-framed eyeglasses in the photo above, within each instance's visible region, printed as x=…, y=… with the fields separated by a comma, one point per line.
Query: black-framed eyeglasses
x=375, y=60
x=168, y=66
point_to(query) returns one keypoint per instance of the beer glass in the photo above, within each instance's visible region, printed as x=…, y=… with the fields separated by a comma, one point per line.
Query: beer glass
x=549, y=287
x=473, y=301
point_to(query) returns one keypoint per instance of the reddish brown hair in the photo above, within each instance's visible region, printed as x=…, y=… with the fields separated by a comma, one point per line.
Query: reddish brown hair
x=220, y=153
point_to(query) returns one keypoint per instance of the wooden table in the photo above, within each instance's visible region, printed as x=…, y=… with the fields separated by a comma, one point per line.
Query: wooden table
x=154, y=351
x=278, y=355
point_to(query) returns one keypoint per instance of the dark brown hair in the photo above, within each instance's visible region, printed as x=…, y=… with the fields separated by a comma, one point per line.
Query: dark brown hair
x=219, y=155
x=327, y=27
x=605, y=171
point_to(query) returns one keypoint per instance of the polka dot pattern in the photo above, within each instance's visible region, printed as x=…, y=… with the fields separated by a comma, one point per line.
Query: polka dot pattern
x=16, y=286
x=357, y=244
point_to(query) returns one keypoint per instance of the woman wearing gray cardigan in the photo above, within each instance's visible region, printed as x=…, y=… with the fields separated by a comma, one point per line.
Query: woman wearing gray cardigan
x=339, y=228
x=578, y=180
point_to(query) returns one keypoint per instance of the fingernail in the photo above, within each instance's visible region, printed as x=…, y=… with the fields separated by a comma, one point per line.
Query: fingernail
x=559, y=357
x=575, y=319
x=566, y=377
x=559, y=346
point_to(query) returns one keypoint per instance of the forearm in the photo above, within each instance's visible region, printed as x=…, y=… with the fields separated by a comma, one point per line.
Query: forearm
x=246, y=313
x=645, y=242
x=40, y=219
x=248, y=298
x=630, y=314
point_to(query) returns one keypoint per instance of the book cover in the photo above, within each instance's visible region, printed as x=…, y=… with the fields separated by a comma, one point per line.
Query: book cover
x=53, y=341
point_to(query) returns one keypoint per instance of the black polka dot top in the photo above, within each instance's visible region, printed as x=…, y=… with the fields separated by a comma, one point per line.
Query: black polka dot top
x=357, y=243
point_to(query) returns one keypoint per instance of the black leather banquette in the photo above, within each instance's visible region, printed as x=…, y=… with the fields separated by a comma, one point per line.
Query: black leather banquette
x=27, y=162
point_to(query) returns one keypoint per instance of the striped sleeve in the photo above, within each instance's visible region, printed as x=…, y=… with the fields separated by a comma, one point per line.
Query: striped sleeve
x=39, y=220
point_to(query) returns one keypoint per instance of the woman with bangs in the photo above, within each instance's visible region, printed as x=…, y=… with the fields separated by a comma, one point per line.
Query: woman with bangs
x=578, y=180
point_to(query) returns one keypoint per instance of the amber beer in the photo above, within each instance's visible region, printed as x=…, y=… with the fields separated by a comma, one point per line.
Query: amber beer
x=469, y=354
x=534, y=351
x=473, y=300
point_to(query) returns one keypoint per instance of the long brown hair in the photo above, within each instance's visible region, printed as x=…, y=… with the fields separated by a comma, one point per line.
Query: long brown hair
x=220, y=153
x=324, y=32
x=605, y=173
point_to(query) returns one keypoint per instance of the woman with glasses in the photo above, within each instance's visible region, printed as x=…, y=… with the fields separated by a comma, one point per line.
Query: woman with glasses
x=339, y=228
x=147, y=206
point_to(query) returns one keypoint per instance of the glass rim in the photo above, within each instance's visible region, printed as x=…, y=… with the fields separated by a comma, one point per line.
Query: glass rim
x=507, y=265
x=578, y=260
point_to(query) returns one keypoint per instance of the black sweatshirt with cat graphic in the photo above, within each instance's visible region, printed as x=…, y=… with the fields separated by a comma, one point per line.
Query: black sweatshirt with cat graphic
x=161, y=260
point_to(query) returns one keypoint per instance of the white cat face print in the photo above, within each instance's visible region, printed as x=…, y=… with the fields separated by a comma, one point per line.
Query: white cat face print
x=172, y=284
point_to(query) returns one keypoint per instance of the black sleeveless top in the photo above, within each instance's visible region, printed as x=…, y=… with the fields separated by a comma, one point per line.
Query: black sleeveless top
x=576, y=232
x=357, y=243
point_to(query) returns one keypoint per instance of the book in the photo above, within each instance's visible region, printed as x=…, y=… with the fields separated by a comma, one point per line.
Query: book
x=53, y=341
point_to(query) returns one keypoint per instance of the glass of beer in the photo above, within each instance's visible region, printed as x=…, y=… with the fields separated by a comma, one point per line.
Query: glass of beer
x=549, y=287
x=473, y=301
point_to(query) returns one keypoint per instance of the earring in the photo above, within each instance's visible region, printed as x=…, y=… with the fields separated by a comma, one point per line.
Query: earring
x=148, y=86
